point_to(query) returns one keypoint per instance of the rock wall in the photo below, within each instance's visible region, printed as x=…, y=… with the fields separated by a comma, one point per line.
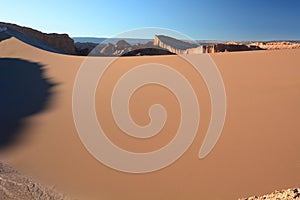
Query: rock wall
x=59, y=41
x=148, y=52
x=230, y=47
x=177, y=46
x=209, y=49
x=84, y=48
x=121, y=48
x=276, y=45
x=227, y=48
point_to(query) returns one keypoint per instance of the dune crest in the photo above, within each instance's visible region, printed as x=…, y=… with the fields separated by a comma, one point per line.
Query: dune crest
x=60, y=43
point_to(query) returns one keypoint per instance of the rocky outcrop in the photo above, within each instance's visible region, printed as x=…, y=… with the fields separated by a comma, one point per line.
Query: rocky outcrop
x=85, y=48
x=181, y=47
x=276, y=45
x=108, y=49
x=177, y=46
x=120, y=48
x=162, y=45
x=289, y=194
x=61, y=42
x=230, y=47
x=122, y=44
x=148, y=52
x=209, y=48
x=2, y=29
x=14, y=186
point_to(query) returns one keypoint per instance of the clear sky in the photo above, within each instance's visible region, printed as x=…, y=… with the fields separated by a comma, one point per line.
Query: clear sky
x=199, y=19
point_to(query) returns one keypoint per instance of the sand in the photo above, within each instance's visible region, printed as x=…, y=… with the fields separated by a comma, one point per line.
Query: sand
x=257, y=152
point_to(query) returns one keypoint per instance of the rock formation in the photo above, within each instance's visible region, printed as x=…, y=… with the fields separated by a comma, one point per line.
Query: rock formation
x=85, y=48
x=14, y=185
x=289, y=194
x=227, y=47
x=276, y=45
x=148, y=52
x=108, y=50
x=122, y=44
x=61, y=42
x=181, y=47
x=120, y=48
x=177, y=46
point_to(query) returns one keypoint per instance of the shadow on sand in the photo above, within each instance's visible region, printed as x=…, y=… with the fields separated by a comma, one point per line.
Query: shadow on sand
x=24, y=91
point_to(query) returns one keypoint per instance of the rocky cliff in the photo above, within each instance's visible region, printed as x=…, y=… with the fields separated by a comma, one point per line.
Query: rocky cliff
x=162, y=45
x=226, y=48
x=61, y=42
x=276, y=45
x=120, y=48
x=148, y=52
x=177, y=46
x=84, y=48
x=181, y=47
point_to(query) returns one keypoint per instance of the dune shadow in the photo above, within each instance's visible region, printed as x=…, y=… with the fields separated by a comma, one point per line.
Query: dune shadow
x=24, y=91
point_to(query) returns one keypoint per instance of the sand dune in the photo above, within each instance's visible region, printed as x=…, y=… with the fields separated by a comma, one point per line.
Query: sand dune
x=258, y=150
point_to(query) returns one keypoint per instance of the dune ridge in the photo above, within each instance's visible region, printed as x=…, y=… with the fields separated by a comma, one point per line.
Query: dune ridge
x=59, y=43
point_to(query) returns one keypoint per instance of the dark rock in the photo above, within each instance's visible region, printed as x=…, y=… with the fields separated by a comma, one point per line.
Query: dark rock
x=148, y=52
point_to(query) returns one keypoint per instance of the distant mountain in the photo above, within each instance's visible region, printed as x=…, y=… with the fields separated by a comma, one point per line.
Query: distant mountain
x=120, y=48
x=131, y=41
x=88, y=39
x=210, y=42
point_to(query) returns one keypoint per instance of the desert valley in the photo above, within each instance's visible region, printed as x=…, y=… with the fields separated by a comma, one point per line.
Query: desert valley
x=257, y=153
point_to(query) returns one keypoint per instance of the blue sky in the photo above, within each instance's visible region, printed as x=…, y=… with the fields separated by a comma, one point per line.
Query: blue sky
x=199, y=19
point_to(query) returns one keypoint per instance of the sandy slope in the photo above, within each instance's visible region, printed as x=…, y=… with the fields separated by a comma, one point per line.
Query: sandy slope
x=257, y=152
